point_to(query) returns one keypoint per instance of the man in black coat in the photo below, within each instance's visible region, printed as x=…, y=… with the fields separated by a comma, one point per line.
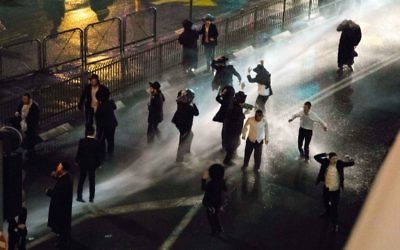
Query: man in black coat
x=155, y=107
x=188, y=40
x=332, y=175
x=89, y=158
x=17, y=231
x=225, y=98
x=349, y=39
x=209, y=38
x=214, y=187
x=60, y=211
x=224, y=73
x=106, y=122
x=27, y=121
x=183, y=120
x=263, y=79
x=89, y=98
x=232, y=127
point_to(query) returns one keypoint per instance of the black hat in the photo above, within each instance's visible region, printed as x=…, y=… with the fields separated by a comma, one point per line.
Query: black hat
x=208, y=17
x=190, y=93
x=155, y=85
x=187, y=24
x=94, y=76
x=240, y=97
x=216, y=171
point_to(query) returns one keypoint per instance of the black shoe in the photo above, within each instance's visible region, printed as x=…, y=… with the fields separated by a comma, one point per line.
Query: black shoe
x=306, y=159
x=80, y=200
x=91, y=200
x=256, y=170
x=244, y=167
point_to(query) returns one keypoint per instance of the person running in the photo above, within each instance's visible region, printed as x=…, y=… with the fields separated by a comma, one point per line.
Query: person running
x=224, y=73
x=349, y=40
x=263, y=79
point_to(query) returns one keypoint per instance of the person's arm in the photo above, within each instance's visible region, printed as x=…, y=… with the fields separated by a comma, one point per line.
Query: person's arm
x=348, y=163
x=320, y=157
x=316, y=118
x=250, y=79
x=295, y=116
x=195, y=110
x=237, y=74
x=244, y=130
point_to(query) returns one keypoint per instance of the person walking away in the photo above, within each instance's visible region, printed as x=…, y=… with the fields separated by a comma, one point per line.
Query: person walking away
x=88, y=157
x=224, y=73
x=89, y=98
x=155, y=107
x=232, y=127
x=258, y=134
x=27, y=121
x=349, y=40
x=307, y=120
x=188, y=40
x=209, y=38
x=225, y=98
x=60, y=210
x=331, y=173
x=17, y=231
x=106, y=122
x=214, y=187
x=183, y=120
x=263, y=80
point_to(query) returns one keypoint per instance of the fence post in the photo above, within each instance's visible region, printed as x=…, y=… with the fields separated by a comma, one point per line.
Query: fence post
x=309, y=10
x=226, y=36
x=160, y=59
x=255, y=24
x=1, y=186
x=284, y=14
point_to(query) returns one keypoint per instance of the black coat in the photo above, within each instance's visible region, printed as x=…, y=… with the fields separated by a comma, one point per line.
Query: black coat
x=90, y=153
x=263, y=77
x=105, y=117
x=340, y=165
x=212, y=33
x=223, y=76
x=214, y=191
x=60, y=210
x=232, y=127
x=156, y=114
x=183, y=117
x=350, y=37
x=188, y=39
x=32, y=119
x=226, y=102
x=86, y=96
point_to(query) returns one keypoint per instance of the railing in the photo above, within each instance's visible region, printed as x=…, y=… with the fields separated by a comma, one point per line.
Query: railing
x=76, y=47
x=58, y=98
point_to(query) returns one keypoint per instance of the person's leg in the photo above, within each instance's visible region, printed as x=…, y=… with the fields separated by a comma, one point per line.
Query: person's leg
x=82, y=177
x=300, y=140
x=188, y=143
x=334, y=198
x=150, y=132
x=211, y=219
x=218, y=226
x=257, y=154
x=308, y=136
x=208, y=53
x=181, y=150
x=157, y=130
x=22, y=239
x=326, y=199
x=247, y=153
x=110, y=135
x=89, y=113
x=92, y=184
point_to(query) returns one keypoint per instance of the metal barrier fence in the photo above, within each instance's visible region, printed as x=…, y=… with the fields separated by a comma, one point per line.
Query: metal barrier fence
x=58, y=98
x=75, y=47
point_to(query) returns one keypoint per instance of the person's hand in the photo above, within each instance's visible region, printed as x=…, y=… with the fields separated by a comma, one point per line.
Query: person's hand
x=290, y=120
x=205, y=175
x=249, y=70
x=17, y=114
x=21, y=226
x=212, y=39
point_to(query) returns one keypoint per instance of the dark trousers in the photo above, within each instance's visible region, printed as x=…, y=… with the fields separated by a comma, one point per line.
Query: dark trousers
x=260, y=101
x=89, y=115
x=152, y=131
x=213, y=219
x=209, y=50
x=331, y=202
x=107, y=134
x=92, y=181
x=17, y=240
x=185, y=143
x=304, y=135
x=65, y=239
x=30, y=143
x=257, y=147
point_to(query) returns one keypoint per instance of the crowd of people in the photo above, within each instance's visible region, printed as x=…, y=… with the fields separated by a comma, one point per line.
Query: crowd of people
x=101, y=124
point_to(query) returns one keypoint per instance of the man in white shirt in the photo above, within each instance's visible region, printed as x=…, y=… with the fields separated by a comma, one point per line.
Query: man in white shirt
x=258, y=134
x=307, y=120
x=331, y=173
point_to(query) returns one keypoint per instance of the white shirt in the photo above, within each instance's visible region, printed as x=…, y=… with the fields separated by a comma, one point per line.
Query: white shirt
x=263, y=90
x=24, y=113
x=258, y=130
x=307, y=120
x=94, y=99
x=332, y=181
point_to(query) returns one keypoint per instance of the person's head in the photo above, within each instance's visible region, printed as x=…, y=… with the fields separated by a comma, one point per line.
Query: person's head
x=208, y=19
x=26, y=98
x=332, y=156
x=240, y=98
x=307, y=107
x=94, y=80
x=259, y=115
x=90, y=131
x=216, y=172
x=62, y=167
x=154, y=88
x=187, y=24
